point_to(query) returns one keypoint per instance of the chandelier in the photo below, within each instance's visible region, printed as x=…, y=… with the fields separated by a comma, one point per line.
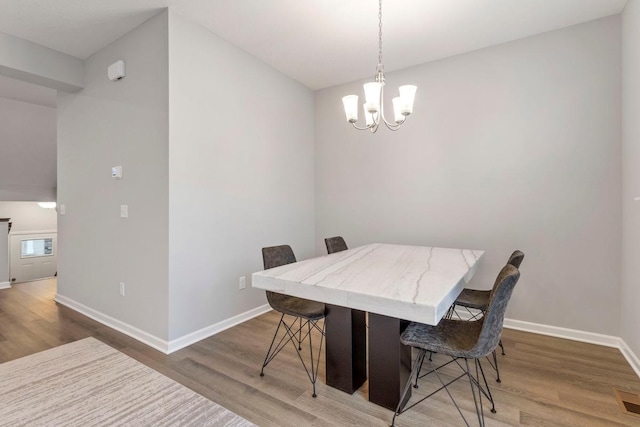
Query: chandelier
x=374, y=97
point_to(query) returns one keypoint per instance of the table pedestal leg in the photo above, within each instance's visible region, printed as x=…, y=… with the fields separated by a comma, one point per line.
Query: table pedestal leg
x=389, y=361
x=346, y=351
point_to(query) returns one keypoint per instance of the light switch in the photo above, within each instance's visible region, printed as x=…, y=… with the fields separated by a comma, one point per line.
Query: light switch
x=62, y=209
x=116, y=172
x=124, y=211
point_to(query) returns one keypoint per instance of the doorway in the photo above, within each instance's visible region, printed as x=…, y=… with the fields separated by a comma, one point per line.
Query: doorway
x=32, y=256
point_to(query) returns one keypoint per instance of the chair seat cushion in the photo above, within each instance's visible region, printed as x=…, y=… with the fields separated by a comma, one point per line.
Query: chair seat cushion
x=473, y=298
x=295, y=306
x=450, y=337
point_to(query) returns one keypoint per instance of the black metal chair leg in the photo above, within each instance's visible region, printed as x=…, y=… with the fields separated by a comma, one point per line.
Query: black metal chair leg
x=313, y=372
x=501, y=346
x=265, y=363
x=488, y=391
x=495, y=365
x=415, y=385
x=417, y=365
x=473, y=392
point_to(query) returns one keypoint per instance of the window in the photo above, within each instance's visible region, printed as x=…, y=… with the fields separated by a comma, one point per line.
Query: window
x=37, y=247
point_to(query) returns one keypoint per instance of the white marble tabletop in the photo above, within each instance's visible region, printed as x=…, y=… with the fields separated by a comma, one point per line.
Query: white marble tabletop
x=415, y=283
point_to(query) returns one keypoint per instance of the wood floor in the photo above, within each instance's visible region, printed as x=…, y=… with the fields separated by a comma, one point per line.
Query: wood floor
x=545, y=381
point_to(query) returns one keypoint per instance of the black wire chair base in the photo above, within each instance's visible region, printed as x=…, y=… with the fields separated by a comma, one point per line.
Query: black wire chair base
x=476, y=315
x=469, y=315
x=477, y=389
x=296, y=337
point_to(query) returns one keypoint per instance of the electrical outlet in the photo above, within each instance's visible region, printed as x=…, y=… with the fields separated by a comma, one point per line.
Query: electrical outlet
x=121, y=288
x=243, y=283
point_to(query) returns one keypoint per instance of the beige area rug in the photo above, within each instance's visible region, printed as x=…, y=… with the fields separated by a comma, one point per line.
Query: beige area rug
x=87, y=383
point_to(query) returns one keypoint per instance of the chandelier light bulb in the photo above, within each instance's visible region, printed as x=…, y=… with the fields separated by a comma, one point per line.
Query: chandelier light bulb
x=407, y=95
x=350, y=103
x=370, y=118
x=372, y=95
x=398, y=110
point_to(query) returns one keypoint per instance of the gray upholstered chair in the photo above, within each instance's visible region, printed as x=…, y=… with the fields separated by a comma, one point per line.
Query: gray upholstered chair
x=477, y=300
x=307, y=314
x=463, y=341
x=335, y=244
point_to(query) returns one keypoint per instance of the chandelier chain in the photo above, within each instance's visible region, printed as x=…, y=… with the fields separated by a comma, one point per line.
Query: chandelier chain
x=379, y=33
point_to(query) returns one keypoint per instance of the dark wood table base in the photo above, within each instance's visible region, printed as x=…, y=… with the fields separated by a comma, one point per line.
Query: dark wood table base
x=389, y=361
x=346, y=351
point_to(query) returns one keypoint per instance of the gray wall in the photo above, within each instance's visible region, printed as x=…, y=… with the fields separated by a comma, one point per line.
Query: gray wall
x=27, y=151
x=108, y=124
x=513, y=146
x=631, y=175
x=28, y=216
x=241, y=174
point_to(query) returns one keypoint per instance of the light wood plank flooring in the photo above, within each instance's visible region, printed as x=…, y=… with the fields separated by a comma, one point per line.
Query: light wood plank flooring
x=545, y=381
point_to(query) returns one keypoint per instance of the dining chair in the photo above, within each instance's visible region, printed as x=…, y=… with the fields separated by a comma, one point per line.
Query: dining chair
x=335, y=244
x=463, y=341
x=307, y=313
x=478, y=300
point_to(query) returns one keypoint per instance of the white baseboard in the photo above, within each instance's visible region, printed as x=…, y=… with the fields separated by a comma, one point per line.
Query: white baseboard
x=135, y=333
x=206, y=332
x=5, y=285
x=631, y=357
x=556, y=331
x=153, y=341
x=576, y=335
x=570, y=334
x=186, y=340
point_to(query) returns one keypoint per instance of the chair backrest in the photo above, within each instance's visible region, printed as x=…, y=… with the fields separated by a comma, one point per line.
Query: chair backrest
x=516, y=258
x=275, y=256
x=494, y=316
x=335, y=244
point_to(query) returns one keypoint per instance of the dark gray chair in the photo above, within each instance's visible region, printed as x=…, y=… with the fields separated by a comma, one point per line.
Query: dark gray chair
x=335, y=244
x=478, y=300
x=306, y=312
x=462, y=340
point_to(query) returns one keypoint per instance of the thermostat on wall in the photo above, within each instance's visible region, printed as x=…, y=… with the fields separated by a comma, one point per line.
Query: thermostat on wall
x=116, y=172
x=116, y=71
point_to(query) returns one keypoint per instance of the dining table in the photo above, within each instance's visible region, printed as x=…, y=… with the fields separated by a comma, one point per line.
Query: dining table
x=373, y=292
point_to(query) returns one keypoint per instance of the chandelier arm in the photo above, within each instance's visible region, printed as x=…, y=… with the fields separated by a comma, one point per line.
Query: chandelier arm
x=363, y=128
x=393, y=127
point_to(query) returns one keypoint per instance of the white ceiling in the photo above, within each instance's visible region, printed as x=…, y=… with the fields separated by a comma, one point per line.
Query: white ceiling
x=320, y=43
